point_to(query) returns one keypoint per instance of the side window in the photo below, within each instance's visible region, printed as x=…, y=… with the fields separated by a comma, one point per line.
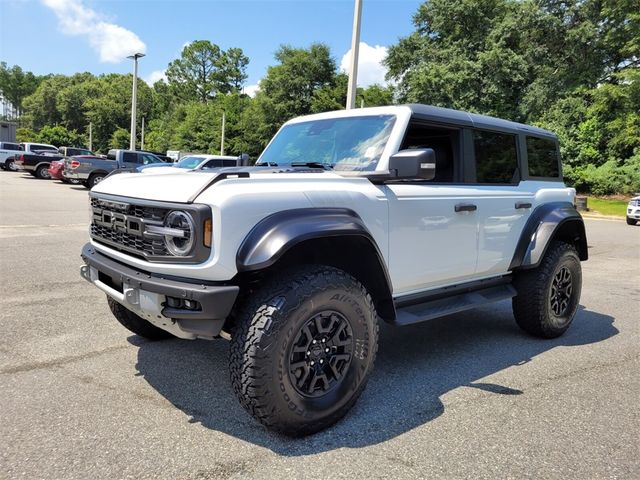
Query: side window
x=543, y=157
x=444, y=142
x=229, y=163
x=213, y=164
x=147, y=159
x=129, y=157
x=496, y=157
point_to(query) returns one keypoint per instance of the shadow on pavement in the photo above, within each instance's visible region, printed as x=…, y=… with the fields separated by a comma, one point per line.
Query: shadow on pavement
x=415, y=366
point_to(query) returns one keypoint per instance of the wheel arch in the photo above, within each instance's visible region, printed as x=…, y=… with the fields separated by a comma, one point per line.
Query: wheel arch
x=549, y=222
x=330, y=236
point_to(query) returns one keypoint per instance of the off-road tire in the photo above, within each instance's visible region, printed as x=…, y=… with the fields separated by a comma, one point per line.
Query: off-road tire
x=631, y=221
x=136, y=324
x=267, y=331
x=532, y=306
x=42, y=172
x=95, y=179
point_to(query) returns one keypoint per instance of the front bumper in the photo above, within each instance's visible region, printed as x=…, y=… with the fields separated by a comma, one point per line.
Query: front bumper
x=146, y=295
x=633, y=212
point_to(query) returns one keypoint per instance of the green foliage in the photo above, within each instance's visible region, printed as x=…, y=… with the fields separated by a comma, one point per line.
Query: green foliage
x=24, y=134
x=16, y=84
x=120, y=138
x=204, y=71
x=60, y=137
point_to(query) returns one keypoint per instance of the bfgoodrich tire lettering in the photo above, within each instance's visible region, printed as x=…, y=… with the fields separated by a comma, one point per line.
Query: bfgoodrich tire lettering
x=262, y=367
x=548, y=296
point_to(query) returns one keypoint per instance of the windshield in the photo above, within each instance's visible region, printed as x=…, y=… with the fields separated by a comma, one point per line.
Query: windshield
x=189, y=162
x=354, y=143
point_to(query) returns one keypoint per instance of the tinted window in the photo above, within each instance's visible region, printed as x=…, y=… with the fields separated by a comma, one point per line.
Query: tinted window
x=128, y=157
x=496, y=157
x=444, y=143
x=543, y=157
x=213, y=164
x=229, y=163
x=43, y=147
x=10, y=146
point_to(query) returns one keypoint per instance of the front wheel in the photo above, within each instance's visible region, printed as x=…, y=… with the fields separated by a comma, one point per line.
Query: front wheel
x=631, y=221
x=548, y=296
x=10, y=165
x=303, y=349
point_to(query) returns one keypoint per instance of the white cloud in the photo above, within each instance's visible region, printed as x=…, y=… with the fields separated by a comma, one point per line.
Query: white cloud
x=112, y=42
x=251, y=90
x=370, y=68
x=154, y=76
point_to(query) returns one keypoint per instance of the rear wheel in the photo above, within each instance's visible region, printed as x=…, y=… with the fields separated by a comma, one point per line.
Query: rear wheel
x=11, y=166
x=303, y=349
x=548, y=296
x=43, y=172
x=631, y=221
x=136, y=324
x=95, y=179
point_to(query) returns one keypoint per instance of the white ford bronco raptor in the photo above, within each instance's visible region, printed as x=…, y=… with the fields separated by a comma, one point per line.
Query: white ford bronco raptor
x=403, y=214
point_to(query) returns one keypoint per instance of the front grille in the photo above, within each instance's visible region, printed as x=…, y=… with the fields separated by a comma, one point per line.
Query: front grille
x=122, y=226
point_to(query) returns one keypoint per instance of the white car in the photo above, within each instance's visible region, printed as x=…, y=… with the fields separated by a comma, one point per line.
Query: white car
x=195, y=162
x=403, y=214
x=8, y=150
x=633, y=211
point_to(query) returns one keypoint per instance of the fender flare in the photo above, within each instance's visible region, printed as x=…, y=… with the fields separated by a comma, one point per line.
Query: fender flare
x=277, y=233
x=38, y=165
x=547, y=222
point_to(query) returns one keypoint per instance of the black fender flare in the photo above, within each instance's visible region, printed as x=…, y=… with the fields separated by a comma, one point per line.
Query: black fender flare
x=547, y=222
x=277, y=233
x=38, y=165
x=271, y=238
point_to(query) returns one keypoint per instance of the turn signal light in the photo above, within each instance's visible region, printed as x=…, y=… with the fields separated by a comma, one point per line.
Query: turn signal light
x=207, y=233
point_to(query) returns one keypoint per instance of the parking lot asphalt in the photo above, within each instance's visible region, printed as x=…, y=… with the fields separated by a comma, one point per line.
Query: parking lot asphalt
x=467, y=396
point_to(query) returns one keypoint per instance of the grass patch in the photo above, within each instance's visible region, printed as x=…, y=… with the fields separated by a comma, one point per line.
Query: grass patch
x=608, y=206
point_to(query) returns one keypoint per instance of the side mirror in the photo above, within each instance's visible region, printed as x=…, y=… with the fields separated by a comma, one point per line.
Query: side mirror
x=414, y=163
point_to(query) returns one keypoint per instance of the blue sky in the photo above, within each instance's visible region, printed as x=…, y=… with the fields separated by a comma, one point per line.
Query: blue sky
x=68, y=36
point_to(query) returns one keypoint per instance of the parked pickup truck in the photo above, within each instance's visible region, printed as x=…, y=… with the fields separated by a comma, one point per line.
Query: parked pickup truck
x=8, y=151
x=90, y=170
x=398, y=214
x=36, y=158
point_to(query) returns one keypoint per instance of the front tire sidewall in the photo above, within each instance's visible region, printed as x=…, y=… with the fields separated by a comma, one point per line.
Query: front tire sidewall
x=43, y=173
x=295, y=405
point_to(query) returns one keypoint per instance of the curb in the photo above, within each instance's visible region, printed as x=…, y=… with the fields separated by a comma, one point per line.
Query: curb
x=595, y=216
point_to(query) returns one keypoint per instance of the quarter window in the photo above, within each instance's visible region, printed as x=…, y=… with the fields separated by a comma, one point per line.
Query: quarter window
x=543, y=158
x=496, y=157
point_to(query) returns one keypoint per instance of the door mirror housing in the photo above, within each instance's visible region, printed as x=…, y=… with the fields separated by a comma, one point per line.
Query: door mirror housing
x=414, y=163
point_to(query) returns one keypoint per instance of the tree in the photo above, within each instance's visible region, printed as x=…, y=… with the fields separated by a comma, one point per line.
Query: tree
x=198, y=73
x=120, y=139
x=15, y=85
x=234, y=69
x=59, y=136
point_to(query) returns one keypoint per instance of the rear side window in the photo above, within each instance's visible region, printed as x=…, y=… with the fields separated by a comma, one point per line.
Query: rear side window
x=128, y=157
x=10, y=146
x=496, y=157
x=229, y=163
x=543, y=157
x=44, y=147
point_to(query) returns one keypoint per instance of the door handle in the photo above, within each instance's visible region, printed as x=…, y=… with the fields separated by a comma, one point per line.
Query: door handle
x=465, y=207
x=520, y=205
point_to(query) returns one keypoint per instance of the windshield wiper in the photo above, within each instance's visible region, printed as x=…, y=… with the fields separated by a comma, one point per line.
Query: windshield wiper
x=326, y=166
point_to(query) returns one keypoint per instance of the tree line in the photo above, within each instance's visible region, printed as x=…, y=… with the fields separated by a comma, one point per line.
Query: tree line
x=572, y=66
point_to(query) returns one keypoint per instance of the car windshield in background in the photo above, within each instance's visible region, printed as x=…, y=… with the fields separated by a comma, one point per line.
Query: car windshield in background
x=348, y=144
x=189, y=162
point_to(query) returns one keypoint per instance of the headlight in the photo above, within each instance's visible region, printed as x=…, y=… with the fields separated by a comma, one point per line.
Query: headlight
x=180, y=233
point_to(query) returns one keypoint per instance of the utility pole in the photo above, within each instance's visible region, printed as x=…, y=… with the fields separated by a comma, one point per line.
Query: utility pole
x=222, y=136
x=142, y=136
x=355, y=47
x=134, y=98
x=91, y=136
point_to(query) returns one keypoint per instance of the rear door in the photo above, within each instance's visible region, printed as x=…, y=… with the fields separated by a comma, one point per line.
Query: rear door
x=504, y=201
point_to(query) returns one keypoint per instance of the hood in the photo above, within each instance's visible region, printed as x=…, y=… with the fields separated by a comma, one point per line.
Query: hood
x=169, y=186
x=183, y=186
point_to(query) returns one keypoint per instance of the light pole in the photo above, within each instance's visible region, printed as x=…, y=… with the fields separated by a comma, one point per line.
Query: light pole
x=134, y=99
x=355, y=47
